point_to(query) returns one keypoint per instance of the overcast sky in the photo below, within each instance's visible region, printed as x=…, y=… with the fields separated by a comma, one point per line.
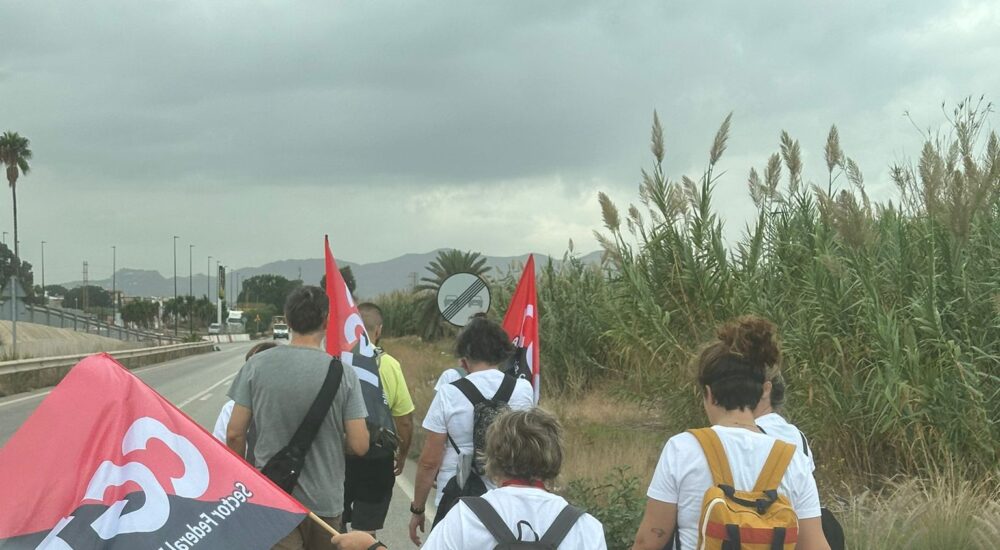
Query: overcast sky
x=250, y=129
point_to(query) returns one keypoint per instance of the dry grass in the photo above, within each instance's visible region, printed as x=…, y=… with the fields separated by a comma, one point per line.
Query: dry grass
x=945, y=511
x=422, y=364
x=601, y=432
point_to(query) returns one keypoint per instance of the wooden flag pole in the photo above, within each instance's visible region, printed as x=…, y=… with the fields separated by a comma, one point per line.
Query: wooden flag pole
x=323, y=524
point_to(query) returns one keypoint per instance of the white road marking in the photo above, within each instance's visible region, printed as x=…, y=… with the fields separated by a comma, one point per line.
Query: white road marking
x=138, y=370
x=199, y=395
x=403, y=483
x=25, y=398
x=205, y=397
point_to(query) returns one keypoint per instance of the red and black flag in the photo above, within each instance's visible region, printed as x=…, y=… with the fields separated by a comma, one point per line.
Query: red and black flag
x=105, y=462
x=347, y=339
x=521, y=324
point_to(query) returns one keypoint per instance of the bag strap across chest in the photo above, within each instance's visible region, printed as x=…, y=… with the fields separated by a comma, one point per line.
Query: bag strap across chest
x=309, y=428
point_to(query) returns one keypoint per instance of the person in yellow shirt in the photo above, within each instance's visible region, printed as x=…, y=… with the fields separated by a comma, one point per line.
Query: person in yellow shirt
x=368, y=482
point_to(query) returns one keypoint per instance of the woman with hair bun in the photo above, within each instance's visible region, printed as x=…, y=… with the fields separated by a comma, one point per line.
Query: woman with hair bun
x=732, y=372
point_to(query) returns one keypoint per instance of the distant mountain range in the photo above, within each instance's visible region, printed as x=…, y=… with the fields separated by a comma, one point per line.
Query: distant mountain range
x=372, y=278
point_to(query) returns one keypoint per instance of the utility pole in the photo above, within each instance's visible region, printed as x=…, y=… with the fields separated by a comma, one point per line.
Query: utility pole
x=220, y=285
x=45, y=298
x=175, y=285
x=114, y=287
x=190, y=291
x=208, y=279
x=86, y=285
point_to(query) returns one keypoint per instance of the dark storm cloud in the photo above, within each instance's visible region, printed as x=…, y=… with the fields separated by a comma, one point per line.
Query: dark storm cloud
x=121, y=98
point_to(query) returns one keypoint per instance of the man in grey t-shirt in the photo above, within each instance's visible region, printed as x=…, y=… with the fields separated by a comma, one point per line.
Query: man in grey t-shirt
x=276, y=389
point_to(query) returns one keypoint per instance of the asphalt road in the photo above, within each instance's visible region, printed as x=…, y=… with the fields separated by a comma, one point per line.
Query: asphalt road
x=198, y=385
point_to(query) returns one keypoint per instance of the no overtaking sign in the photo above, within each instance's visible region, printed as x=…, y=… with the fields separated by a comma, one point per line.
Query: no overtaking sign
x=461, y=297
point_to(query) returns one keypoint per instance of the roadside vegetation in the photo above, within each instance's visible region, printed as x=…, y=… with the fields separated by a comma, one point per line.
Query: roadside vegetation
x=889, y=315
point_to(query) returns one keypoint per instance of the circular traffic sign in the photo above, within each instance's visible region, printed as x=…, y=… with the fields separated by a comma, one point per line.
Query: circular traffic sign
x=461, y=296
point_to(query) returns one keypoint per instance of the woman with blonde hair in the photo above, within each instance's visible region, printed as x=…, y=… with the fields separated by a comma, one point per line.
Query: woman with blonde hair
x=524, y=453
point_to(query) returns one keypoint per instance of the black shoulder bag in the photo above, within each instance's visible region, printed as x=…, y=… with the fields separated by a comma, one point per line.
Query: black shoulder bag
x=285, y=466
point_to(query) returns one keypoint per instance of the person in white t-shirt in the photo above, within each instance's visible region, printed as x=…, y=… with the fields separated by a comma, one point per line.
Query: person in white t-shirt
x=227, y=410
x=482, y=347
x=773, y=424
x=732, y=373
x=450, y=375
x=524, y=453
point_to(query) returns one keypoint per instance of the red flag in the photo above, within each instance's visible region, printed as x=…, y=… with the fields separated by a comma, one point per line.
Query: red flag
x=106, y=462
x=521, y=324
x=346, y=336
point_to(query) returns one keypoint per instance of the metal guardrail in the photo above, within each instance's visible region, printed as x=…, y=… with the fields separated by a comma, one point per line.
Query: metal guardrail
x=25, y=365
x=50, y=316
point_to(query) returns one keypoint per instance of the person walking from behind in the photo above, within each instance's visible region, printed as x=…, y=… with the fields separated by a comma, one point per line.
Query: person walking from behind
x=452, y=418
x=524, y=451
x=222, y=422
x=771, y=422
x=369, y=481
x=731, y=373
x=276, y=389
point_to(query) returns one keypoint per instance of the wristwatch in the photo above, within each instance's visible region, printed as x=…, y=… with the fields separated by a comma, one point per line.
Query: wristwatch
x=377, y=545
x=416, y=511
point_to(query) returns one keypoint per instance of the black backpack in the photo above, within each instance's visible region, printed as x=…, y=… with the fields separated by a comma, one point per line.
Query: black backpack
x=484, y=412
x=506, y=540
x=382, y=438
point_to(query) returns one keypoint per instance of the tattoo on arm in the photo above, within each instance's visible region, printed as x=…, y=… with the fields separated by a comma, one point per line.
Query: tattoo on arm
x=660, y=533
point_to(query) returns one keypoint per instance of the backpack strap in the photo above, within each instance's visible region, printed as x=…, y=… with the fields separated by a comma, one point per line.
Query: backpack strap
x=490, y=519
x=775, y=466
x=715, y=454
x=565, y=521
x=805, y=444
x=506, y=389
x=469, y=390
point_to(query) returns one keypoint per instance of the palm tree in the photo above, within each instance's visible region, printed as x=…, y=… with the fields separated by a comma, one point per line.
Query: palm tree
x=15, y=152
x=447, y=263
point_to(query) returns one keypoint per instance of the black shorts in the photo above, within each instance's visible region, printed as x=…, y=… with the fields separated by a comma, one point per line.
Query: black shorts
x=367, y=492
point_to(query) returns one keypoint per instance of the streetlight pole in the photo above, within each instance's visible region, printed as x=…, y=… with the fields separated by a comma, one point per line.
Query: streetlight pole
x=45, y=298
x=218, y=298
x=190, y=291
x=175, y=285
x=114, y=287
x=208, y=279
x=5, y=238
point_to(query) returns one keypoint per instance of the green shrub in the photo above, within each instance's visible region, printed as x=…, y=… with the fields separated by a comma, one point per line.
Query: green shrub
x=617, y=502
x=888, y=311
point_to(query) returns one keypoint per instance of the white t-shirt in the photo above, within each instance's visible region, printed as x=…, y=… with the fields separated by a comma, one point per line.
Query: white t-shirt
x=682, y=476
x=222, y=422
x=451, y=413
x=447, y=377
x=777, y=427
x=461, y=528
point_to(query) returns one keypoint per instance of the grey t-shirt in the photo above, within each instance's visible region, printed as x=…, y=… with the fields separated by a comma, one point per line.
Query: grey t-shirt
x=278, y=386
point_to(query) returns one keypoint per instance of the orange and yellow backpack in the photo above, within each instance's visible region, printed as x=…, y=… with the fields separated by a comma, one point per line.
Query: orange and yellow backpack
x=760, y=519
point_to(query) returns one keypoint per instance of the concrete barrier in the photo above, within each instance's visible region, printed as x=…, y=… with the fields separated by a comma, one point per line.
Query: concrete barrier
x=224, y=338
x=29, y=374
